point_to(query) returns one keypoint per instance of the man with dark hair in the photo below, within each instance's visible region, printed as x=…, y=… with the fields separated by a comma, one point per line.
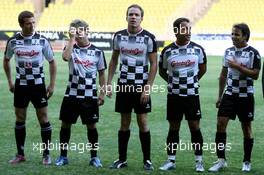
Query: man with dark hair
x=241, y=65
x=80, y=98
x=136, y=47
x=182, y=64
x=30, y=49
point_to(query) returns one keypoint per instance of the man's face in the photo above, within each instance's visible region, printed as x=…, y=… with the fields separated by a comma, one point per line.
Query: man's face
x=237, y=37
x=28, y=27
x=134, y=17
x=184, y=32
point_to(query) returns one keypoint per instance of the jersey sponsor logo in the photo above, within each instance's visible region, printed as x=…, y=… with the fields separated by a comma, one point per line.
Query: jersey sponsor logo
x=31, y=53
x=85, y=63
x=135, y=51
x=182, y=63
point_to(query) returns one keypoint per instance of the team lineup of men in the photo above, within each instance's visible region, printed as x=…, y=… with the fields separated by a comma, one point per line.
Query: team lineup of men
x=181, y=65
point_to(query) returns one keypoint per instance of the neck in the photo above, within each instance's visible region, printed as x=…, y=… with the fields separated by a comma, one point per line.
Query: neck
x=181, y=43
x=241, y=45
x=27, y=34
x=84, y=43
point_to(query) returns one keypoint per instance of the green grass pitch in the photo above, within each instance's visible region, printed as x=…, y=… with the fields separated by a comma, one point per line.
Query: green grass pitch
x=108, y=127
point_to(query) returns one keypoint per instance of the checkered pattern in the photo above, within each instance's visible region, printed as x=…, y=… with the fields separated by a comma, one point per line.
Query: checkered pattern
x=238, y=83
x=134, y=49
x=182, y=65
x=83, y=67
x=29, y=56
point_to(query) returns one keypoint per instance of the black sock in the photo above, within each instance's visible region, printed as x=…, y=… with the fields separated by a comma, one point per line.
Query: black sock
x=248, y=145
x=197, y=142
x=123, y=137
x=65, y=134
x=92, y=136
x=172, y=142
x=46, y=130
x=20, y=134
x=220, y=140
x=145, y=141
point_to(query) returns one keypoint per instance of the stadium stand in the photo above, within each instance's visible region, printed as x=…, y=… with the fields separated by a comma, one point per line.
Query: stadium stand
x=9, y=11
x=224, y=13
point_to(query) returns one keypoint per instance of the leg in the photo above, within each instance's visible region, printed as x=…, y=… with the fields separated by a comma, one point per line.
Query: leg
x=248, y=140
x=46, y=128
x=196, y=138
x=220, y=137
x=144, y=135
x=123, y=135
x=65, y=135
x=173, y=139
x=20, y=129
x=92, y=136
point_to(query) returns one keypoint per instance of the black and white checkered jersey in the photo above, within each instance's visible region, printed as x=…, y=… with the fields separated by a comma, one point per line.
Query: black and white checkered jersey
x=83, y=67
x=238, y=83
x=182, y=65
x=134, y=50
x=30, y=53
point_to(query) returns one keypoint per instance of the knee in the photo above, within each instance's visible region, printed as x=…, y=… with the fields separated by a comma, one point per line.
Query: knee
x=143, y=127
x=91, y=126
x=221, y=125
x=20, y=116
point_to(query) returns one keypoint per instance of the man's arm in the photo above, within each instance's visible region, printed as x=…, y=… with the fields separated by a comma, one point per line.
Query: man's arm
x=163, y=72
x=202, y=70
x=252, y=73
x=152, y=73
x=53, y=71
x=7, y=68
x=111, y=71
x=102, y=87
x=66, y=54
x=222, y=83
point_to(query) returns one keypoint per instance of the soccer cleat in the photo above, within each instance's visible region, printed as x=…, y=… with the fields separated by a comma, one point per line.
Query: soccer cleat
x=46, y=160
x=148, y=166
x=167, y=165
x=17, y=159
x=246, y=166
x=199, y=166
x=61, y=161
x=95, y=162
x=118, y=164
x=219, y=164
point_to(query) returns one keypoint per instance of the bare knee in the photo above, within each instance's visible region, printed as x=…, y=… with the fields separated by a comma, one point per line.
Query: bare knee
x=247, y=131
x=125, y=122
x=21, y=114
x=42, y=114
x=194, y=125
x=142, y=121
x=91, y=126
x=222, y=124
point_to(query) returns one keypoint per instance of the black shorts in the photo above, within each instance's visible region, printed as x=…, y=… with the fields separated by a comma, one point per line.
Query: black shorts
x=72, y=108
x=128, y=100
x=37, y=94
x=177, y=106
x=231, y=106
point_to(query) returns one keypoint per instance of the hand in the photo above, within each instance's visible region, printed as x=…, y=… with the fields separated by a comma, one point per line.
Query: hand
x=72, y=33
x=233, y=64
x=100, y=100
x=109, y=90
x=11, y=87
x=50, y=90
x=217, y=104
x=145, y=95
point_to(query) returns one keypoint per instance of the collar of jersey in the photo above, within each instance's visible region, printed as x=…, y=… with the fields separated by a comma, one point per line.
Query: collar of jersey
x=133, y=34
x=242, y=48
x=183, y=45
x=87, y=46
x=27, y=36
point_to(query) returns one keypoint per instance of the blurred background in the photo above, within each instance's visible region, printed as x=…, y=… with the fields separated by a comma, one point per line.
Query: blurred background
x=212, y=20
